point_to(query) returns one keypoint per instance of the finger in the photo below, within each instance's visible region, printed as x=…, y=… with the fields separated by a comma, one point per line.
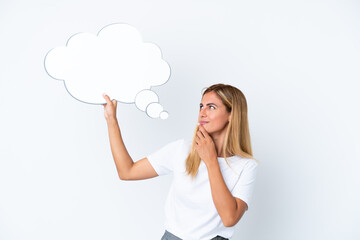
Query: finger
x=106, y=98
x=200, y=133
x=197, y=139
x=203, y=131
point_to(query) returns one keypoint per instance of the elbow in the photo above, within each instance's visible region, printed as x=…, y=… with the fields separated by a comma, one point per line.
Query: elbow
x=232, y=217
x=229, y=222
x=123, y=177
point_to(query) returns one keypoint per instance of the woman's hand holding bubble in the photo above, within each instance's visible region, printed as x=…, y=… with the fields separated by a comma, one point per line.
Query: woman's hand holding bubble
x=109, y=108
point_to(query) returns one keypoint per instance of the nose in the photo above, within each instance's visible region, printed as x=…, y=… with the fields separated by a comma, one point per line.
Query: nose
x=202, y=112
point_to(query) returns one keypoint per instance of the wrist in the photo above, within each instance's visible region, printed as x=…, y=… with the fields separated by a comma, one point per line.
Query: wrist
x=111, y=120
x=212, y=164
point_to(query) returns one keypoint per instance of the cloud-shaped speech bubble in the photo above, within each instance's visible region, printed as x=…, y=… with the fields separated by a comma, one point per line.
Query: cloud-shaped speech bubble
x=115, y=61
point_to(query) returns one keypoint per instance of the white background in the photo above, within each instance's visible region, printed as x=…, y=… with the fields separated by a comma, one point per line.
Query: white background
x=297, y=63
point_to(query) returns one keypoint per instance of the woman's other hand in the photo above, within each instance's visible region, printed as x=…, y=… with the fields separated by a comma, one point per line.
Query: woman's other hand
x=205, y=146
x=109, y=108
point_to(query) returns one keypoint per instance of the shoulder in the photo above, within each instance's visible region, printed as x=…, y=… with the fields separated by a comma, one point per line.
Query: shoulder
x=182, y=143
x=177, y=145
x=251, y=163
x=244, y=161
x=241, y=164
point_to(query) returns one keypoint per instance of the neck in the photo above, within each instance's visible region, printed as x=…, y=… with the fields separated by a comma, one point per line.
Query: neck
x=219, y=139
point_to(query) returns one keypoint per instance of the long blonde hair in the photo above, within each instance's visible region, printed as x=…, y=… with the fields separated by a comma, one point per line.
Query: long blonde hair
x=237, y=137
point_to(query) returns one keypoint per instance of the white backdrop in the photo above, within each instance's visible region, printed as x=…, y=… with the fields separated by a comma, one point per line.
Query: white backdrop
x=297, y=63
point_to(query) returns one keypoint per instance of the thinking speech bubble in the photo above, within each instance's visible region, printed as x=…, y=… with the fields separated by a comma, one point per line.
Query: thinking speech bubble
x=116, y=62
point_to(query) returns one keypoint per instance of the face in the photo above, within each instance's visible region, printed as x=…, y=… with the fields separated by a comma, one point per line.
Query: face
x=213, y=115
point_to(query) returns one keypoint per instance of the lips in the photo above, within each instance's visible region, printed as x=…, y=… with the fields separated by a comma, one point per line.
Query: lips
x=203, y=122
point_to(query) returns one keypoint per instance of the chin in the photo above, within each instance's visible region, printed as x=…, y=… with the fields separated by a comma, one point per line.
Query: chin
x=209, y=131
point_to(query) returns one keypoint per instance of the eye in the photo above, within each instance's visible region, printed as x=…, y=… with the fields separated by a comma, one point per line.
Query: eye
x=211, y=107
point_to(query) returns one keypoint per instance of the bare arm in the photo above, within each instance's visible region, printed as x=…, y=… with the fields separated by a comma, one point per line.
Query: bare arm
x=126, y=168
x=230, y=208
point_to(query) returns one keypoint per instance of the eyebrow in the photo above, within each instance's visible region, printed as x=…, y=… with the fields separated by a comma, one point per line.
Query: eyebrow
x=209, y=104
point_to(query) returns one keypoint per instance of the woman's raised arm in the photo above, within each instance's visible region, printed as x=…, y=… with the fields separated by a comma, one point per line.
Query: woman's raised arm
x=126, y=168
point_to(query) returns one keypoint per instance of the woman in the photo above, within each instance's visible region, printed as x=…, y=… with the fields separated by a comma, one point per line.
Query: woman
x=213, y=175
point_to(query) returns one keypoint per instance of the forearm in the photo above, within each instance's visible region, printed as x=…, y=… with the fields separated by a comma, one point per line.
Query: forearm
x=224, y=202
x=120, y=154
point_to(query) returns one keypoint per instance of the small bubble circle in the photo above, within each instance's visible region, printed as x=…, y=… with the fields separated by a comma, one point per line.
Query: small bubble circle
x=164, y=115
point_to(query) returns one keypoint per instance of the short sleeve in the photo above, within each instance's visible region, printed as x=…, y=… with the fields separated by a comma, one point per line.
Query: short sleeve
x=245, y=184
x=162, y=160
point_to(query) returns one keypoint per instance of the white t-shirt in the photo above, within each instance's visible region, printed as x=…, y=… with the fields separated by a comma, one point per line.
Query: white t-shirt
x=190, y=212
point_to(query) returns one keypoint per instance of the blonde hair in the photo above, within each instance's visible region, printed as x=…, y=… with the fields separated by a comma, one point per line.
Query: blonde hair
x=237, y=137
